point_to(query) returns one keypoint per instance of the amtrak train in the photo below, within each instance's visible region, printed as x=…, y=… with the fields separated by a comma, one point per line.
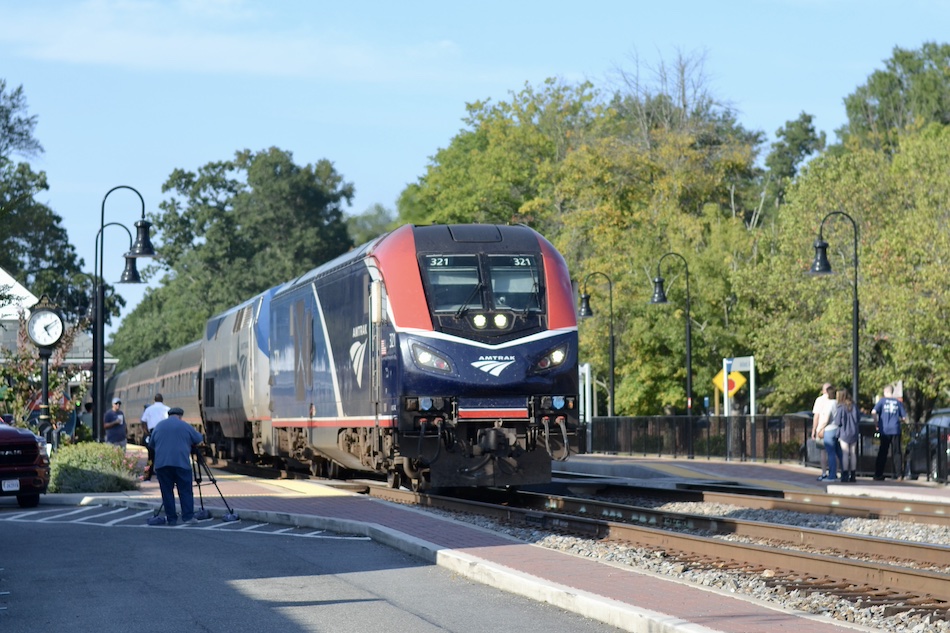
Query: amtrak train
x=438, y=356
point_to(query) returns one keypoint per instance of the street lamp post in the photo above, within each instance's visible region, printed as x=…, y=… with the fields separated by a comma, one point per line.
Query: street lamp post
x=142, y=247
x=659, y=297
x=821, y=266
x=585, y=312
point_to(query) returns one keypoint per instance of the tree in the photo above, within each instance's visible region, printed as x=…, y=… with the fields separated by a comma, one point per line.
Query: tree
x=370, y=224
x=797, y=140
x=34, y=247
x=898, y=199
x=912, y=91
x=496, y=169
x=16, y=126
x=229, y=231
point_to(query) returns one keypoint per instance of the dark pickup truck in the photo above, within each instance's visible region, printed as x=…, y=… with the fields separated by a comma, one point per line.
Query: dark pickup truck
x=24, y=465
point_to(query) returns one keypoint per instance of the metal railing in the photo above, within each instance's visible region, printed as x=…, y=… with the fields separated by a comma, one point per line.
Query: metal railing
x=741, y=438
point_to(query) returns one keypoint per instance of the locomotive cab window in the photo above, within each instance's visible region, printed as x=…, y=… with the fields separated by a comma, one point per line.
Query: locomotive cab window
x=515, y=282
x=462, y=283
x=454, y=281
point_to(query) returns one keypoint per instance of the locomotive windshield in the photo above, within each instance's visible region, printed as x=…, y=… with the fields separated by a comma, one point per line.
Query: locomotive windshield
x=515, y=282
x=458, y=283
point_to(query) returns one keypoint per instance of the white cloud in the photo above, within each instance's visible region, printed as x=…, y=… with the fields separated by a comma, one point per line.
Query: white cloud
x=215, y=36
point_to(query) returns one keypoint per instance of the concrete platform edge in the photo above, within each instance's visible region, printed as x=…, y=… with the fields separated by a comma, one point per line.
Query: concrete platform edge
x=604, y=610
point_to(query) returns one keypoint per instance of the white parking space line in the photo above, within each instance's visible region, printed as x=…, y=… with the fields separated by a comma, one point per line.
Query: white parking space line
x=124, y=518
x=100, y=515
x=66, y=514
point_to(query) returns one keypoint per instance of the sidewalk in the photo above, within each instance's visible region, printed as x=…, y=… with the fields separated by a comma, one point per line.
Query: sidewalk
x=629, y=600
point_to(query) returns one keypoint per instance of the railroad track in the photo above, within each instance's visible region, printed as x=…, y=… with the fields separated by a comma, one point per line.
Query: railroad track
x=914, y=511
x=896, y=588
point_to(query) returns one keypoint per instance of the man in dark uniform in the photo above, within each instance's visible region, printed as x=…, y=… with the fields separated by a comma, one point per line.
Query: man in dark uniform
x=889, y=414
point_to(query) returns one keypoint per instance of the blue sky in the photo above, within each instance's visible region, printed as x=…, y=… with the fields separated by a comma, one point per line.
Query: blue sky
x=126, y=91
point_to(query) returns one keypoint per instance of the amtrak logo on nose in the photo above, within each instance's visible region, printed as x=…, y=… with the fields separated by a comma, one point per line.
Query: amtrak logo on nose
x=493, y=365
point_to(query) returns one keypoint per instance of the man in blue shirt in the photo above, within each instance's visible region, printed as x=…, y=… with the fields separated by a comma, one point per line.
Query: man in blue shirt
x=114, y=424
x=174, y=439
x=889, y=414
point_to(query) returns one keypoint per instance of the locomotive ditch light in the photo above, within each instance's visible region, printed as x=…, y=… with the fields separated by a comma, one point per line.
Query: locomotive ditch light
x=480, y=321
x=425, y=403
x=501, y=321
x=546, y=402
x=558, y=402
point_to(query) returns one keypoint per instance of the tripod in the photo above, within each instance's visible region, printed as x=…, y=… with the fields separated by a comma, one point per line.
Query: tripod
x=197, y=464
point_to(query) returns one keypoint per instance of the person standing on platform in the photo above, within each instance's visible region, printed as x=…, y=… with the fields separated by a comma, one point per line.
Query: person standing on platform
x=174, y=440
x=153, y=414
x=846, y=419
x=114, y=424
x=889, y=414
x=822, y=411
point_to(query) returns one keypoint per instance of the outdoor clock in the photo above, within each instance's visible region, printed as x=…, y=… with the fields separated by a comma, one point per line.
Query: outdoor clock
x=45, y=327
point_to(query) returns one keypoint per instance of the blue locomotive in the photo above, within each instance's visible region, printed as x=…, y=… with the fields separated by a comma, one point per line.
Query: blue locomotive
x=441, y=356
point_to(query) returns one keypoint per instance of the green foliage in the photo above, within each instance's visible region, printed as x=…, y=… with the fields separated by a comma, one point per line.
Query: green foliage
x=93, y=467
x=784, y=450
x=16, y=126
x=797, y=140
x=800, y=327
x=370, y=224
x=34, y=247
x=712, y=445
x=911, y=92
x=229, y=231
x=500, y=168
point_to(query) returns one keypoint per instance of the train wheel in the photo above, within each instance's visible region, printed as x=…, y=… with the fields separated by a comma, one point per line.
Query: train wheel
x=419, y=484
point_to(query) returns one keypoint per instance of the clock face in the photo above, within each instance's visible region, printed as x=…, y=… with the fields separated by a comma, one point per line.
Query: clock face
x=45, y=327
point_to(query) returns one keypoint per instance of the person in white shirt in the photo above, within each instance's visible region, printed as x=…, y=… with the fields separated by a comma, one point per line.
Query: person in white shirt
x=153, y=414
x=822, y=411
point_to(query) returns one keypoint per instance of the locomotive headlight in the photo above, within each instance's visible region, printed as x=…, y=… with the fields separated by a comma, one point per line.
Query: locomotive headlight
x=480, y=321
x=429, y=359
x=553, y=358
x=501, y=321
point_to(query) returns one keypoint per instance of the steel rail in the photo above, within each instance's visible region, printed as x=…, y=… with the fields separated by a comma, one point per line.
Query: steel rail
x=921, y=553
x=835, y=573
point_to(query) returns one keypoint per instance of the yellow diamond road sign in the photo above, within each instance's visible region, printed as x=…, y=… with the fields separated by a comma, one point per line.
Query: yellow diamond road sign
x=736, y=381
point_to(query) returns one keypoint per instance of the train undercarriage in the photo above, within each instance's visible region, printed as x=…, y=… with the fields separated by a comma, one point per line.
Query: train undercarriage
x=483, y=453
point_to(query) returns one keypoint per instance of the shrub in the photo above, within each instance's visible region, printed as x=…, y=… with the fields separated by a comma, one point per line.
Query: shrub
x=785, y=450
x=93, y=467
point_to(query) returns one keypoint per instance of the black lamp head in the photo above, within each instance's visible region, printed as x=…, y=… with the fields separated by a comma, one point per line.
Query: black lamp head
x=585, y=310
x=821, y=265
x=659, y=295
x=143, y=241
x=131, y=274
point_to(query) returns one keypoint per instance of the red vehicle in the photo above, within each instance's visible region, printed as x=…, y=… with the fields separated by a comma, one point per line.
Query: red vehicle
x=24, y=465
